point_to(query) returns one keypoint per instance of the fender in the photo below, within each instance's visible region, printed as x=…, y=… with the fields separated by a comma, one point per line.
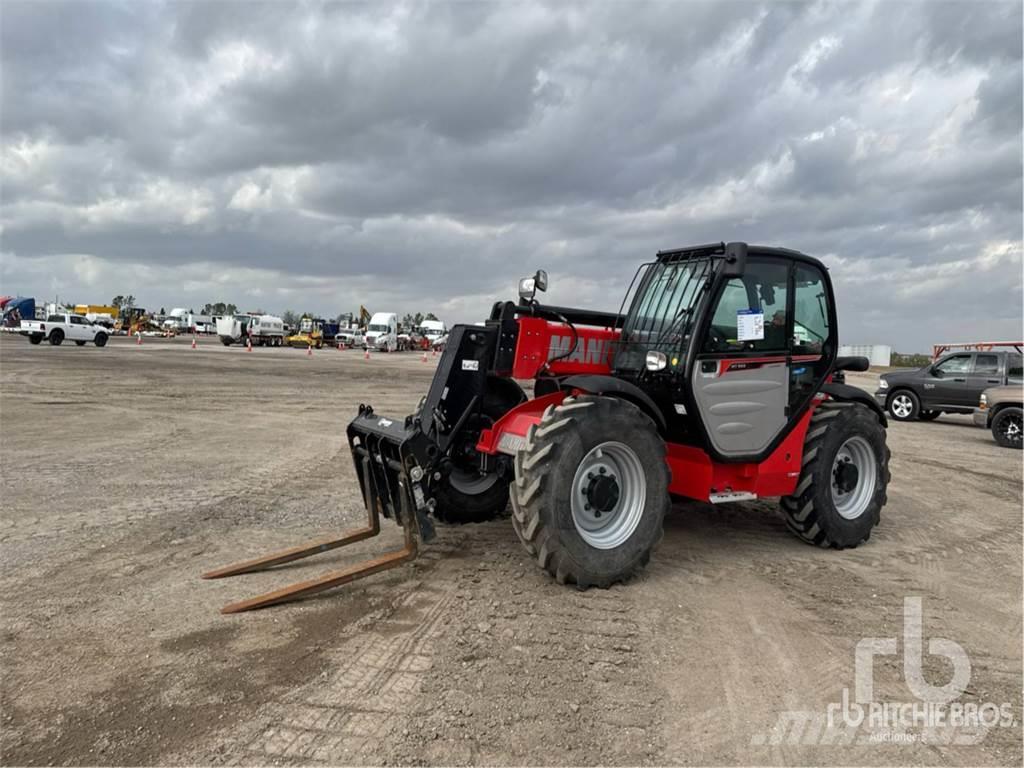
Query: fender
x=853, y=394
x=597, y=384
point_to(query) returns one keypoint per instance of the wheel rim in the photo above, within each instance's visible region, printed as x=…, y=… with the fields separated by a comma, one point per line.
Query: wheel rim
x=854, y=476
x=902, y=406
x=465, y=477
x=1012, y=429
x=609, y=492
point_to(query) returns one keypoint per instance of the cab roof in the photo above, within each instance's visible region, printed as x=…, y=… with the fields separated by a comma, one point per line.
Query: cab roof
x=711, y=250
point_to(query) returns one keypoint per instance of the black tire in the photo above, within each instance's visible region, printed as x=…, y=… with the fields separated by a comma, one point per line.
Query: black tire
x=465, y=496
x=1006, y=427
x=34, y=339
x=226, y=342
x=546, y=472
x=811, y=513
x=100, y=340
x=57, y=337
x=79, y=343
x=903, y=405
x=929, y=415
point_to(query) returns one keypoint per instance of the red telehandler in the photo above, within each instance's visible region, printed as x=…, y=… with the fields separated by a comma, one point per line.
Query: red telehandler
x=715, y=381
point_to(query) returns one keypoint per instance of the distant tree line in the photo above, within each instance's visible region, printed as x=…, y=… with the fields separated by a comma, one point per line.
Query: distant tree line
x=909, y=361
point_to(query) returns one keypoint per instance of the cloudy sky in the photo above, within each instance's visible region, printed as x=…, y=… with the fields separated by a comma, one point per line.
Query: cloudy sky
x=424, y=156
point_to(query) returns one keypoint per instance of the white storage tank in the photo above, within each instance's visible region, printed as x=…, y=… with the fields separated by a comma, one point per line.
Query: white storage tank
x=879, y=355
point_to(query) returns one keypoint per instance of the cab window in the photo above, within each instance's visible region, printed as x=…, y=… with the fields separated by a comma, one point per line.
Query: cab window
x=751, y=315
x=986, y=364
x=1014, y=369
x=956, y=364
x=810, y=311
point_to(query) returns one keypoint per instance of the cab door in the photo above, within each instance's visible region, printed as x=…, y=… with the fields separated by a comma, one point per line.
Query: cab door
x=946, y=382
x=77, y=330
x=741, y=375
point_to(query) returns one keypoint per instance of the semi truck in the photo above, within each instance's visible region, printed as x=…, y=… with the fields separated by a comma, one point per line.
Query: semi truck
x=382, y=332
x=262, y=330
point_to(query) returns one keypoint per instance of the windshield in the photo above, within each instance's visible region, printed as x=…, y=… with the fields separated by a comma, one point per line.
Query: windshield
x=377, y=328
x=306, y=325
x=661, y=311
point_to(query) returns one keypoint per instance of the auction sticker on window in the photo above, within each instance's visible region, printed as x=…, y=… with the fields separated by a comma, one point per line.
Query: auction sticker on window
x=749, y=324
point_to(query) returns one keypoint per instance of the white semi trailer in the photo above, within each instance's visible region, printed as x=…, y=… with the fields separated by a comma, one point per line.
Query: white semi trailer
x=263, y=330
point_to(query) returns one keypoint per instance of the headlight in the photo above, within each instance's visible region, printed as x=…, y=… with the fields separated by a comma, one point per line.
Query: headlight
x=883, y=384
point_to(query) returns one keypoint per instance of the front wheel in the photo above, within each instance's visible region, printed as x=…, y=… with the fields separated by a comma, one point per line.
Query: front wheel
x=1006, y=428
x=591, y=491
x=843, y=481
x=904, y=405
x=100, y=340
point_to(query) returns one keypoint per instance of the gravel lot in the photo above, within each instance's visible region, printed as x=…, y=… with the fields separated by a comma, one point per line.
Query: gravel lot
x=127, y=471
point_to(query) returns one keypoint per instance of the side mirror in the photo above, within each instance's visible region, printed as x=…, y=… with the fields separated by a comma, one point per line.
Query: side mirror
x=935, y=371
x=529, y=286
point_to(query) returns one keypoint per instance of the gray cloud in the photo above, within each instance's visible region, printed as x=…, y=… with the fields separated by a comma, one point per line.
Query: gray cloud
x=423, y=156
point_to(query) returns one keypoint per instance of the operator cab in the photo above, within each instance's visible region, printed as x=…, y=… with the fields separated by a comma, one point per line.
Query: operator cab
x=730, y=341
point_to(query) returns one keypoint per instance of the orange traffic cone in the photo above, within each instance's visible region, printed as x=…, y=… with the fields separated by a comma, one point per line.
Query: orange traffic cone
x=309, y=351
x=248, y=345
x=435, y=352
x=366, y=354
x=341, y=346
x=424, y=355
x=193, y=342
x=138, y=338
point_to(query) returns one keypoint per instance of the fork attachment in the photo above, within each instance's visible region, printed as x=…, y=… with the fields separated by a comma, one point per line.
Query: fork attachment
x=383, y=458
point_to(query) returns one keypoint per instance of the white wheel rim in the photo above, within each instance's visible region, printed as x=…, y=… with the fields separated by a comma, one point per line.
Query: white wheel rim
x=851, y=502
x=902, y=406
x=1012, y=428
x=610, y=527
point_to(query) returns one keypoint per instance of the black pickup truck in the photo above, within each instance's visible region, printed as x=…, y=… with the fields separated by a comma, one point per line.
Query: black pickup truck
x=952, y=384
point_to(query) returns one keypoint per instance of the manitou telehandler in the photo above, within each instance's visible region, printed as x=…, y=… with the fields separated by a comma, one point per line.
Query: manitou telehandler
x=716, y=383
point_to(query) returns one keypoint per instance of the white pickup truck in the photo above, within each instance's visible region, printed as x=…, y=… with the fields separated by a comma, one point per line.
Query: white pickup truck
x=56, y=328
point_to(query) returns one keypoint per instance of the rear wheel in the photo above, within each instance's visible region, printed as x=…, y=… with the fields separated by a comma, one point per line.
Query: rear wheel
x=1006, y=427
x=226, y=342
x=468, y=495
x=591, y=491
x=35, y=339
x=843, y=480
x=904, y=405
x=57, y=337
x=929, y=415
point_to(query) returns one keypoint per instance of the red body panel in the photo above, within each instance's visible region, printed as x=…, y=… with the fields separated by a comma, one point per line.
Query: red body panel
x=517, y=421
x=541, y=340
x=696, y=476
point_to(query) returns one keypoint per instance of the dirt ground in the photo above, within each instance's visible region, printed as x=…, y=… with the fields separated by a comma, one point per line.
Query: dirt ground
x=128, y=471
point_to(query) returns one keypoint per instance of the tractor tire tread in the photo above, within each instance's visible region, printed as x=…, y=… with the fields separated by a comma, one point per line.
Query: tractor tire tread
x=531, y=516
x=801, y=510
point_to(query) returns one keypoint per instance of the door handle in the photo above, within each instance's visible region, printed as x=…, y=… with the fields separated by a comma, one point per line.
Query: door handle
x=992, y=381
x=959, y=379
